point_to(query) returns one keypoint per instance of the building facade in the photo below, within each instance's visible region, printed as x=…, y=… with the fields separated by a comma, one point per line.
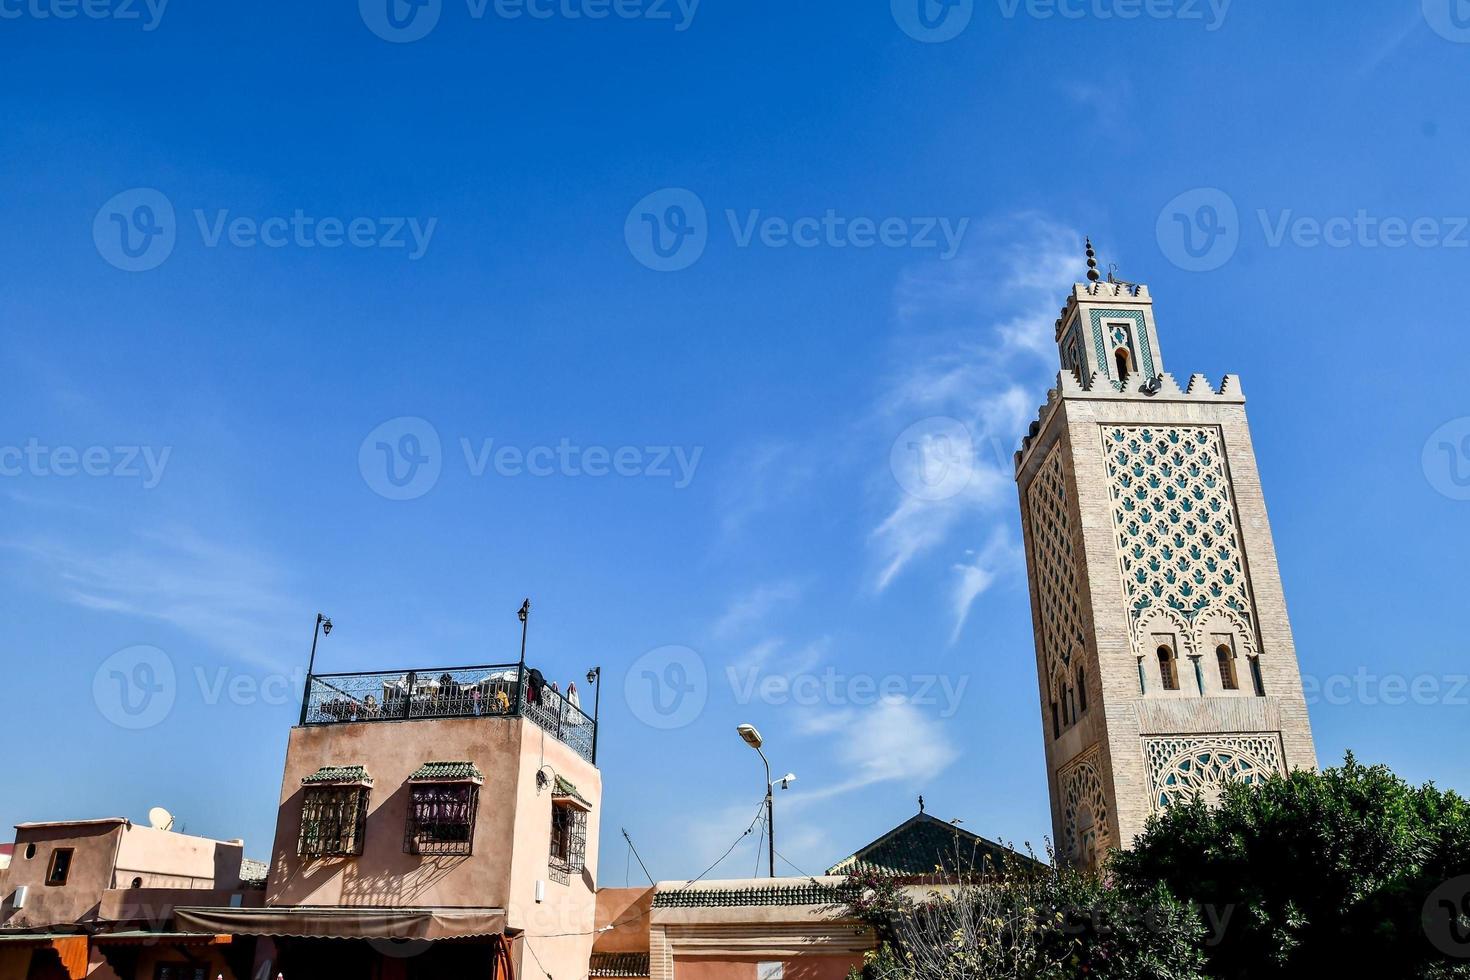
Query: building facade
x=1164, y=655
x=430, y=823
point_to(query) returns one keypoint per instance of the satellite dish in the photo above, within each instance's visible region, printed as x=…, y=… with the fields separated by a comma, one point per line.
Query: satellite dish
x=160, y=819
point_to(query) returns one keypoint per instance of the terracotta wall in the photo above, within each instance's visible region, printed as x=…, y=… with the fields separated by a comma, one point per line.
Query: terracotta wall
x=94, y=846
x=164, y=859
x=627, y=910
x=383, y=875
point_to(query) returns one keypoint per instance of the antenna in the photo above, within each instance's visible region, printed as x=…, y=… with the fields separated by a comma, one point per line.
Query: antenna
x=160, y=819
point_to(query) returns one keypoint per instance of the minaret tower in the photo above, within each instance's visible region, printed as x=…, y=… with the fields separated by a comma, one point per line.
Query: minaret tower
x=1163, y=651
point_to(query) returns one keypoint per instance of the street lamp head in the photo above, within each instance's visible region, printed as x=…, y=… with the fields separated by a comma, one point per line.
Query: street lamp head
x=787, y=780
x=593, y=673
x=751, y=736
x=326, y=626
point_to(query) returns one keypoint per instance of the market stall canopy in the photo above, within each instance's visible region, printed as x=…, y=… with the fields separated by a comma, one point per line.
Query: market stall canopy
x=322, y=922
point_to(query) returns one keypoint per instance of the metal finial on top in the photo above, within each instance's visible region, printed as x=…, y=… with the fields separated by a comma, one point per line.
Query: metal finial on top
x=1092, y=274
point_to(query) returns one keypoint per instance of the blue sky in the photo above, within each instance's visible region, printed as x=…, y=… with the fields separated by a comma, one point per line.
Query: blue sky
x=330, y=232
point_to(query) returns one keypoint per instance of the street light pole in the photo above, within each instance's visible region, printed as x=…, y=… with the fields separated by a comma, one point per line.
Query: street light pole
x=753, y=739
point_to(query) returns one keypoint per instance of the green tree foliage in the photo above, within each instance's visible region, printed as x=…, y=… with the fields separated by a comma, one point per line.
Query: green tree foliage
x=1348, y=872
x=1045, y=924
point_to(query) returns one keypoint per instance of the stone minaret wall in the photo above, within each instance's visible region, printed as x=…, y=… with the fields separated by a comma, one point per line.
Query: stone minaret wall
x=1145, y=528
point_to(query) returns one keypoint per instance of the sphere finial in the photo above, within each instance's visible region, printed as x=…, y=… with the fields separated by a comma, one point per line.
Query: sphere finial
x=1092, y=274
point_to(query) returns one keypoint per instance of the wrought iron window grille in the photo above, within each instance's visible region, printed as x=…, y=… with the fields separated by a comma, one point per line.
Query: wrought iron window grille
x=441, y=818
x=333, y=821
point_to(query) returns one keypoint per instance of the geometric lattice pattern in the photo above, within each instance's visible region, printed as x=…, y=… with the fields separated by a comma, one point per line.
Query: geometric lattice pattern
x=1084, y=808
x=1178, y=543
x=1180, y=766
x=1056, y=575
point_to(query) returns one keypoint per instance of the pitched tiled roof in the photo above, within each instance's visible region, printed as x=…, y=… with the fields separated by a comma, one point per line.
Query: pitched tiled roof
x=564, y=788
x=926, y=845
x=443, y=771
x=618, y=965
x=338, y=774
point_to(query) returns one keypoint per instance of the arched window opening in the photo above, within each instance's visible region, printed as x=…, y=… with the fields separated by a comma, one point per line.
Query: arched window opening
x=1082, y=688
x=1168, y=669
x=1256, y=677
x=137, y=883
x=1228, y=680
x=1056, y=723
x=1121, y=357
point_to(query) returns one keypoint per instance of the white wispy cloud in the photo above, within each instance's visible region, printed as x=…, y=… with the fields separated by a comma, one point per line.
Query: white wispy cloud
x=755, y=607
x=978, y=339
x=227, y=597
x=975, y=576
x=889, y=742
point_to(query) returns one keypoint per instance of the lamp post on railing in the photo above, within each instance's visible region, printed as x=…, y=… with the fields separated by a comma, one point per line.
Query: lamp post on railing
x=324, y=628
x=594, y=677
x=524, y=615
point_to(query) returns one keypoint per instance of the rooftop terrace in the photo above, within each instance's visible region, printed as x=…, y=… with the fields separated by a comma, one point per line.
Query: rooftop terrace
x=489, y=691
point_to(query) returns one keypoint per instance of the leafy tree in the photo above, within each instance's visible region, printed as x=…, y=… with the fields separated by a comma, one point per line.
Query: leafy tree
x=1351, y=872
x=1035, y=924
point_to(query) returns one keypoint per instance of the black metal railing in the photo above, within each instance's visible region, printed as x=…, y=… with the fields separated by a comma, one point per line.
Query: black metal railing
x=493, y=690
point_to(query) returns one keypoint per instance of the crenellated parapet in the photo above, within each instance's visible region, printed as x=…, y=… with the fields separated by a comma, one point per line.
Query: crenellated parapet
x=1164, y=388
